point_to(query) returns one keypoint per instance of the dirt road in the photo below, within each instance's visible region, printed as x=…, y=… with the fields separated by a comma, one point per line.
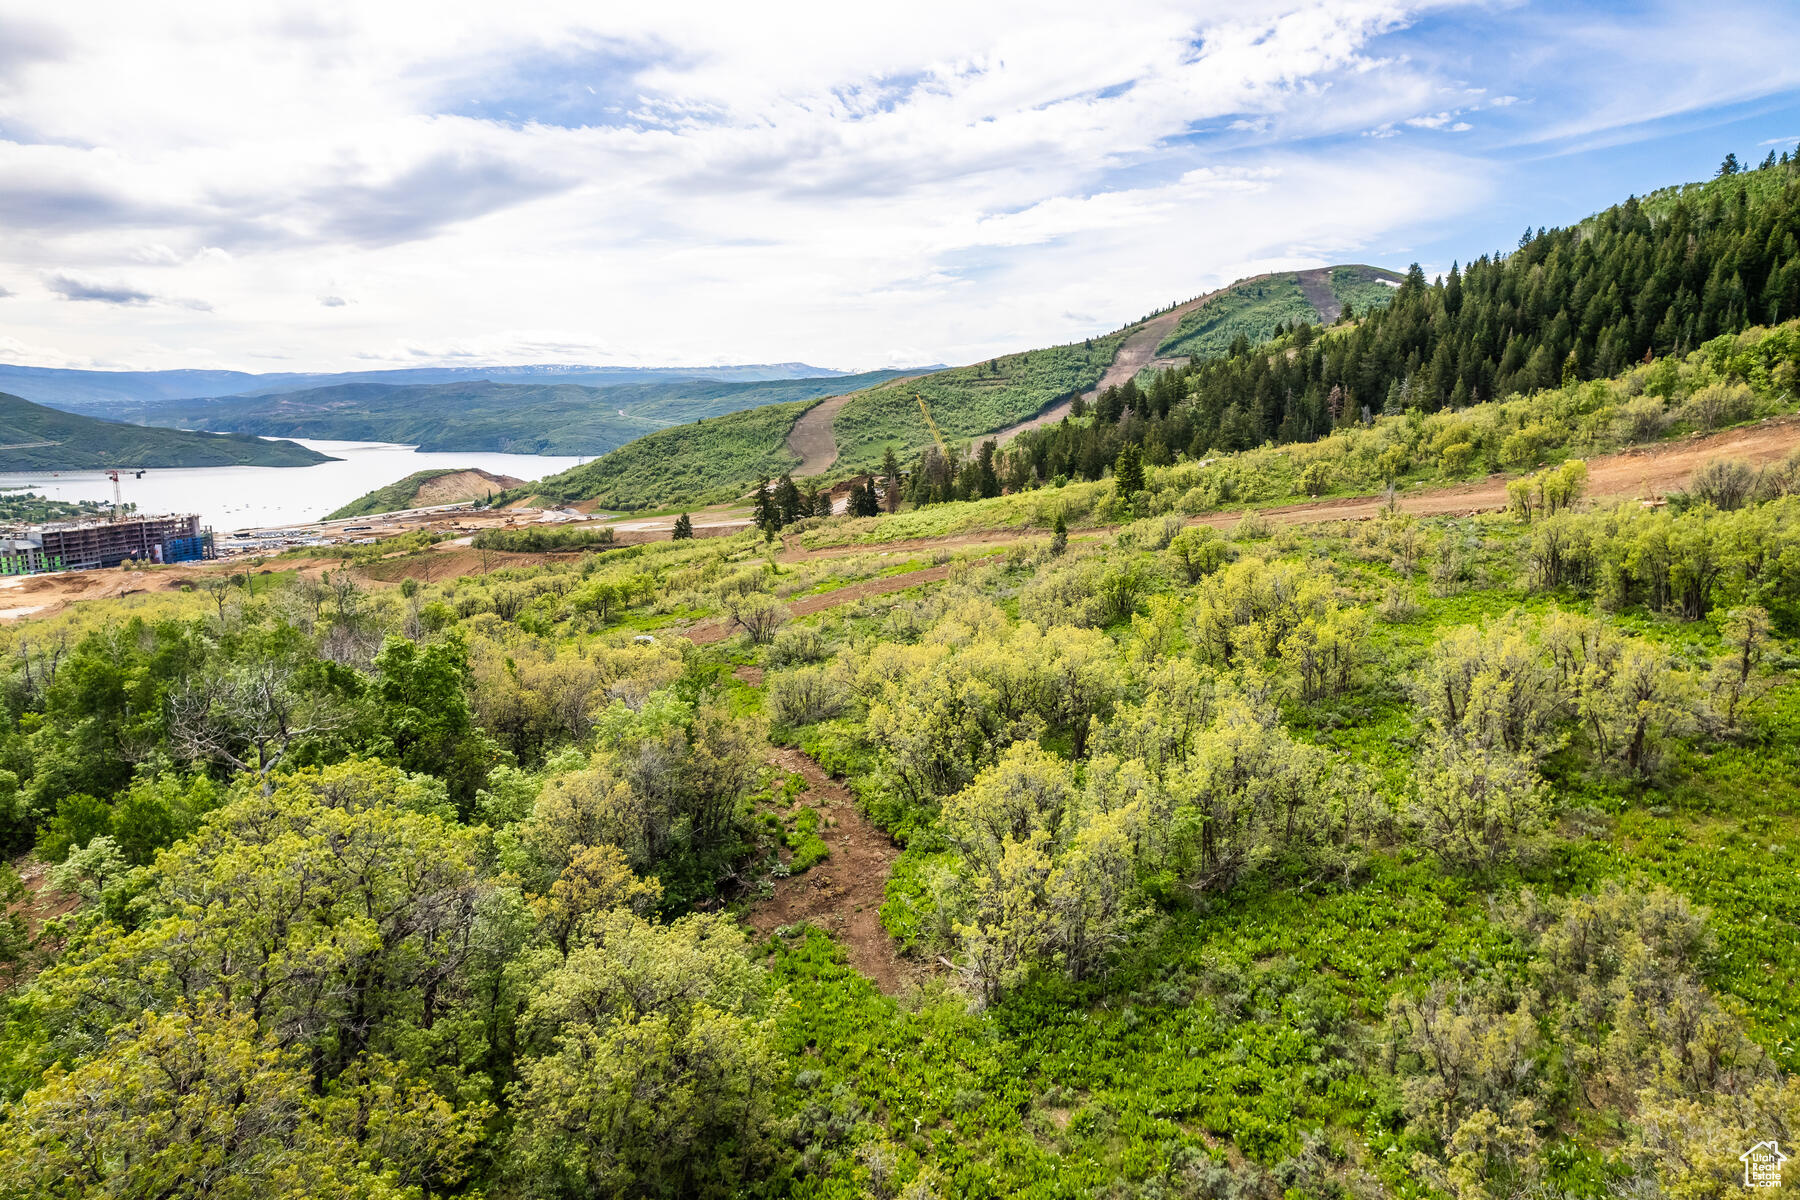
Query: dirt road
x=843, y=894
x=811, y=437
x=1645, y=472
x=1641, y=473
x=1138, y=352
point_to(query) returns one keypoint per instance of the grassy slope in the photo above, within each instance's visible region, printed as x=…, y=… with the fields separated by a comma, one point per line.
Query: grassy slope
x=719, y=458
x=518, y=418
x=698, y=464
x=87, y=442
x=1254, y=309
x=395, y=496
x=709, y=460
x=967, y=401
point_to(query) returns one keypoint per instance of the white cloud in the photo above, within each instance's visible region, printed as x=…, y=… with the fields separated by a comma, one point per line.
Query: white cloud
x=697, y=183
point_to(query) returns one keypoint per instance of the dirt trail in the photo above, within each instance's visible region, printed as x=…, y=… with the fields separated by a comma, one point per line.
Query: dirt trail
x=843, y=894
x=811, y=437
x=1138, y=352
x=1641, y=473
x=40, y=905
x=720, y=628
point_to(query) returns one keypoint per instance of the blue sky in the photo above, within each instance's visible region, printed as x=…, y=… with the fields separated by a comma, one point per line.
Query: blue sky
x=326, y=186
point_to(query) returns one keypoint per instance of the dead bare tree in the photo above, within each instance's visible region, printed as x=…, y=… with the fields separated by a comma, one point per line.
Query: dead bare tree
x=219, y=588
x=247, y=719
x=759, y=616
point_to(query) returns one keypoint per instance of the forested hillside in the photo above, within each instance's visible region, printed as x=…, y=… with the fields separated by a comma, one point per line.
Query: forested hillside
x=127, y=395
x=35, y=438
x=1641, y=280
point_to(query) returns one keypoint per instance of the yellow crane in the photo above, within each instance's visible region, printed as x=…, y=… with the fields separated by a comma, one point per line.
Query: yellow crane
x=930, y=424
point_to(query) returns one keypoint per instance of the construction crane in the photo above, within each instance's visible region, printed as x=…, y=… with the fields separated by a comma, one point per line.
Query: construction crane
x=118, y=496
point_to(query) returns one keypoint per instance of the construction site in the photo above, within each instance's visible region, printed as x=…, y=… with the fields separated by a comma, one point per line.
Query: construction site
x=103, y=542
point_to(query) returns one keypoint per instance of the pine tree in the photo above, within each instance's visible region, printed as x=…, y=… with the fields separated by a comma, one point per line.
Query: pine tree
x=763, y=514
x=1128, y=470
x=787, y=501
x=684, y=528
x=871, y=503
x=1059, y=536
x=987, y=479
x=890, y=480
x=1729, y=166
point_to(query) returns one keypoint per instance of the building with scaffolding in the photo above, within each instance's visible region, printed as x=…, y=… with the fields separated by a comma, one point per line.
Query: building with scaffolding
x=87, y=545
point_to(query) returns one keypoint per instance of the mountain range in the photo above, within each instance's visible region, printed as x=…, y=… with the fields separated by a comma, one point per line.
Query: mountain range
x=109, y=393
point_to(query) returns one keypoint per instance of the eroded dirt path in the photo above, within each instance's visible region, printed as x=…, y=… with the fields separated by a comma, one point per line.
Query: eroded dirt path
x=1138, y=352
x=1315, y=285
x=843, y=894
x=811, y=437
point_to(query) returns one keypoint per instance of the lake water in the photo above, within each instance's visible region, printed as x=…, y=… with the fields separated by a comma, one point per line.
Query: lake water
x=230, y=498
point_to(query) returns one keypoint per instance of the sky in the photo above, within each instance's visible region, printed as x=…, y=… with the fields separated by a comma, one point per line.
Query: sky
x=319, y=187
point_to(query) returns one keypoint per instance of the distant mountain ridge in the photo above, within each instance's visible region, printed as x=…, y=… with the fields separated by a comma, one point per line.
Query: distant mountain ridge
x=34, y=437
x=485, y=415
x=100, y=393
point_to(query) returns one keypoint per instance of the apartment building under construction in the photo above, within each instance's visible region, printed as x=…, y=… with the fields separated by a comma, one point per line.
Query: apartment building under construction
x=86, y=545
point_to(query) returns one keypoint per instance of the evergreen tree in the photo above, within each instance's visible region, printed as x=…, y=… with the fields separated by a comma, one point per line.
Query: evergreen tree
x=862, y=499
x=684, y=528
x=987, y=479
x=890, y=480
x=1059, y=535
x=1728, y=167
x=787, y=501
x=1128, y=470
x=763, y=513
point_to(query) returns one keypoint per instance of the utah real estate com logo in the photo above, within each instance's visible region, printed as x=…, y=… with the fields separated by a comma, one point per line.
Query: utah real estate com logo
x=1762, y=1165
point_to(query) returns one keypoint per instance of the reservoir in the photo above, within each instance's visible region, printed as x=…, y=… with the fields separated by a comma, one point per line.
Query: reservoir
x=230, y=498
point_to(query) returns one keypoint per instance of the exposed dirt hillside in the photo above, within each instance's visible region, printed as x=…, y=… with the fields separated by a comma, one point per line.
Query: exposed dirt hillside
x=470, y=484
